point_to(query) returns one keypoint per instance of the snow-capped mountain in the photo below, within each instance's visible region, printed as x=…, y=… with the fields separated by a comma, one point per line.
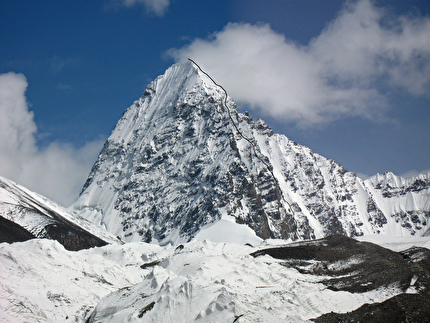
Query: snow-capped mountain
x=182, y=166
x=25, y=215
x=182, y=157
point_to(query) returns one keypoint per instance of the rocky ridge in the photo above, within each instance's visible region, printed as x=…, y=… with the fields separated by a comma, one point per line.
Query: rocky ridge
x=26, y=215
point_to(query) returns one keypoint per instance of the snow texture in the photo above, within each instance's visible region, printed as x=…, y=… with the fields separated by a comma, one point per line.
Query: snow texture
x=199, y=281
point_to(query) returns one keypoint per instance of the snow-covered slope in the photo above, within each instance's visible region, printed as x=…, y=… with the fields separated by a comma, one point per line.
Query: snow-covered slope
x=181, y=158
x=43, y=218
x=199, y=281
x=405, y=200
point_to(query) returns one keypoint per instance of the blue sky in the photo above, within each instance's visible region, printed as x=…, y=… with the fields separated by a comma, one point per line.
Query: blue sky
x=351, y=80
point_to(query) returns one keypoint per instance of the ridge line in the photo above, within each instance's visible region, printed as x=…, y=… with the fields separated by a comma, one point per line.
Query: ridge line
x=243, y=136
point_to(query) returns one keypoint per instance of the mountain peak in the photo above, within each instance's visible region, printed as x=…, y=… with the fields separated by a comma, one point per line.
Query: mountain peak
x=182, y=84
x=181, y=157
x=175, y=162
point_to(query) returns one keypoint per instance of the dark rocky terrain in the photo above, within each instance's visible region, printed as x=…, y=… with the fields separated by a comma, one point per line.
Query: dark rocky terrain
x=12, y=232
x=346, y=264
x=414, y=308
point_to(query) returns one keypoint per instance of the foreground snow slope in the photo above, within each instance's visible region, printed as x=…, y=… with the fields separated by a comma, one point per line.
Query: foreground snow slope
x=43, y=282
x=199, y=281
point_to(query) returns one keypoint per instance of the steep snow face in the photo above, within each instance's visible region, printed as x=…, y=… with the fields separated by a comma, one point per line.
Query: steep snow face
x=335, y=201
x=180, y=159
x=44, y=218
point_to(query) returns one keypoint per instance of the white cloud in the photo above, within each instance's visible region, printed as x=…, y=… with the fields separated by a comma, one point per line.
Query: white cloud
x=57, y=171
x=343, y=72
x=156, y=6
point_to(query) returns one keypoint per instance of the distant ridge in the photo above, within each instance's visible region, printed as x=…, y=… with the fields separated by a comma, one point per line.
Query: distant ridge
x=26, y=215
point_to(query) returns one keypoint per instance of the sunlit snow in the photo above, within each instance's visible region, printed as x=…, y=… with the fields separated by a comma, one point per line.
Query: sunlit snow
x=201, y=281
x=227, y=230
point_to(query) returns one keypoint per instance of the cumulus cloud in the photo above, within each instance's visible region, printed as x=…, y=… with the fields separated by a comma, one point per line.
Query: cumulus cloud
x=156, y=6
x=57, y=171
x=346, y=71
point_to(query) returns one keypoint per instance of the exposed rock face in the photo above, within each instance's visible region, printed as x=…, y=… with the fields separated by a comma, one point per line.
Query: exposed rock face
x=180, y=158
x=405, y=200
x=12, y=232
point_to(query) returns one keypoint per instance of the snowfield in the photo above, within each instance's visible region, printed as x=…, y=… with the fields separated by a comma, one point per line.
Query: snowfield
x=199, y=281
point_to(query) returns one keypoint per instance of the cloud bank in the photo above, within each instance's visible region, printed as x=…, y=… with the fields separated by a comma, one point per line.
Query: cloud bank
x=347, y=71
x=57, y=171
x=156, y=6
